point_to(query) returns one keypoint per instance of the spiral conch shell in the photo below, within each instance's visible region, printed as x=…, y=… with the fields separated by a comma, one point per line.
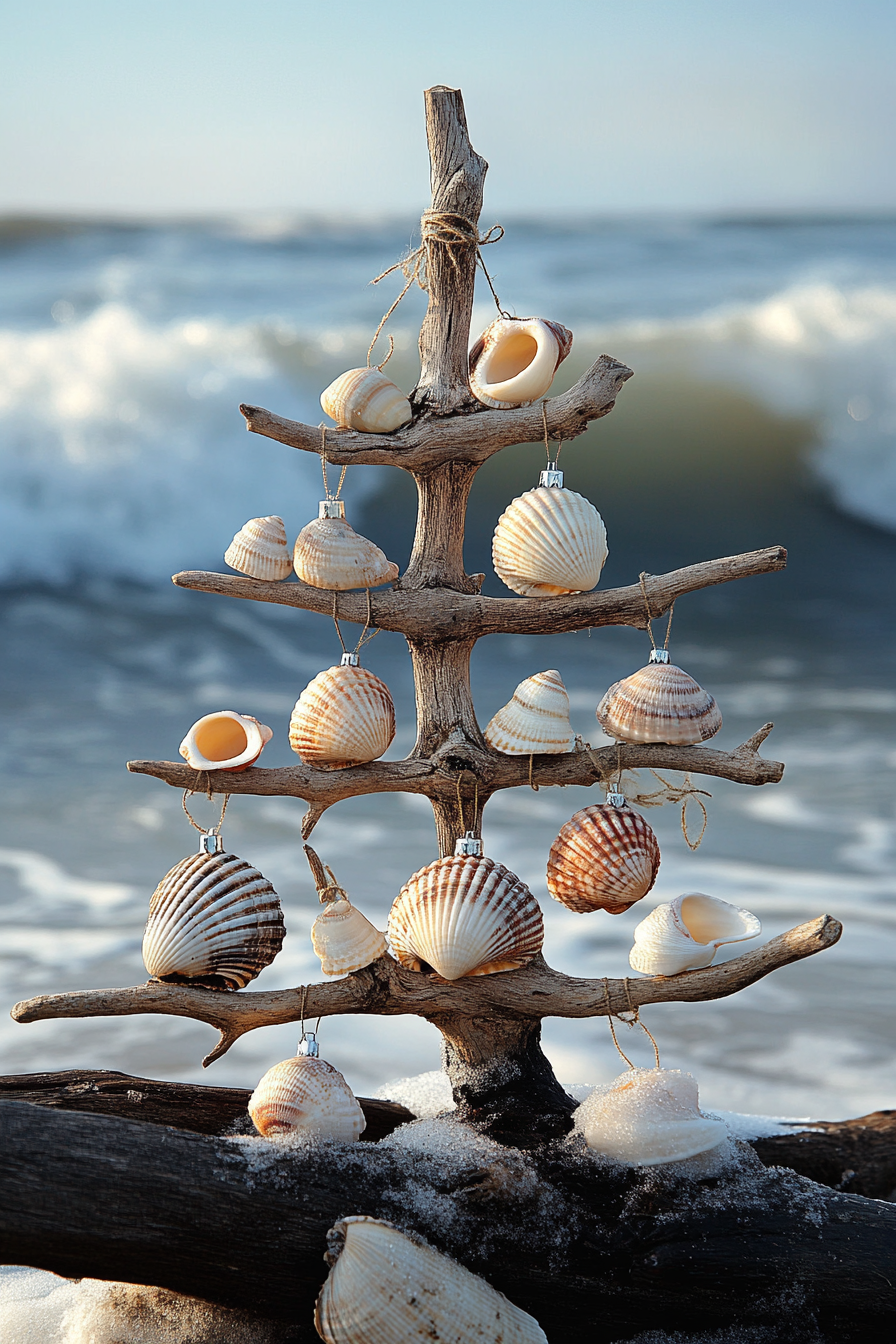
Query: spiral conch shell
x=225, y=740
x=549, y=541
x=385, y=1287
x=659, y=703
x=306, y=1095
x=329, y=553
x=366, y=400
x=344, y=716
x=465, y=915
x=606, y=857
x=343, y=938
x=259, y=549
x=686, y=933
x=648, y=1117
x=536, y=720
x=514, y=361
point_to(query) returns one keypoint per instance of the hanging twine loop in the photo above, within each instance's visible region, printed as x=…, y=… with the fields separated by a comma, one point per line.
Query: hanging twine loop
x=367, y=634
x=214, y=830
x=642, y=579
x=632, y=1020
x=683, y=793
x=460, y=805
x=323, y=466
x=547, y=448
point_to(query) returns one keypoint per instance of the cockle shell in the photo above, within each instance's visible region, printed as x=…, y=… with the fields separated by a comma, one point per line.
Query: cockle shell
x=548, y=542
x=385, y=1287
x=606, y=857
x=344, y=716
x=213, y=921
x=465, y=915
x=514, y=361
x=260, y=550
x=306, y=1095
x=329, y=553
x=344, y=939
x=365, y=399
x=535, y=720
x=647, y=1117
x=225, y=740
x=659, y=703
x=686, y=933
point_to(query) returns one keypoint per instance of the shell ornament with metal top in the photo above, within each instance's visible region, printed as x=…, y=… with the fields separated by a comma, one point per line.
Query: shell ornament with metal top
x=514, y=360
x=344, y=716
x=386, y=1287
x=549, y=541
x=225, y=740
x=659, y=703
x=329, y=553
x=648, y=1117
x=366, y=400
x=306, y=1096
x=535, y=721
x=260, y=549
x=343, y=938
x=686, y=933
x=606, y=857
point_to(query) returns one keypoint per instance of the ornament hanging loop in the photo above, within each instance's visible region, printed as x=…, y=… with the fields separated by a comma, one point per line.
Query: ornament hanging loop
x=210, y=841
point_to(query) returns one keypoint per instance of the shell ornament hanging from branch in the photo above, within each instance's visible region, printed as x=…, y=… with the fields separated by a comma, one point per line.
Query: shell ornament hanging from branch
x=306, y=1096
x=366, y=400
x=685, y=934
x=345, y=716
x=549, y=541
x=648, y=1117
x=535, y=721
x=329, y=553
x=659, y=703
x=226, y=741
x=343, y=938
x=605, y=857
x=514, y=360
x=260, y=549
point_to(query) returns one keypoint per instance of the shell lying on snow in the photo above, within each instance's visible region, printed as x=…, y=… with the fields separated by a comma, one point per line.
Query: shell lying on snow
x=605, y=857
x=536, y=720
x=329, y=553
x=686, y=933
x=344, y=716
x=306, y=1095
x=260, y=549
x=647, y=1117
x=514, y=360
x=365, y=399
x=659, y=703
x=549, y=541
x=225, y=740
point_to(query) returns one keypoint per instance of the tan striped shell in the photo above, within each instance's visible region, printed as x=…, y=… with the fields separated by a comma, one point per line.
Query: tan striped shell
x=329, y=553
x=260, y=549
x=659, y=703
x=306, y=1095
x=548, y=542
x=536, y=720
x=344, y=716
x=367, y=400
x=344, y=939
x=605, y=858
x=465, y=915
x=514, y=360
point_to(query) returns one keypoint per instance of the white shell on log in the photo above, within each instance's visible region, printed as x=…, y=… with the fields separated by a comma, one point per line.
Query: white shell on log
x=514, y=360
x=365, y=399
x=385, y=1287
x=344, y=939
x=329, y=553
x=465, y=915
x=535, y=720
x=549, y=541
x=606, y=857
x=344, y=716
x=225, y=740
x=260, y=549
x=659, y=703
x=306, y=1095
x=648, y=1117
x=686, y=933
x=213, y=921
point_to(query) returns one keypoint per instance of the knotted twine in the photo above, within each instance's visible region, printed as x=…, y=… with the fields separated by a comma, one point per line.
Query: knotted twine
x=634, y=1020
x=215, y=830
x=683, y=793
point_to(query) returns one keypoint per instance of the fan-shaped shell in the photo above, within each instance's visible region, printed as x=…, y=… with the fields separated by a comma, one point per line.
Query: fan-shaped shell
x=647, y=1117
x=344, y=939
x=213, y=921
x=385, y=1287
x=686, y=933
x=605, y=858
x=329, y=553
x=465, y=915
x=306, y=1095
x=225, y=740
x=535, y=720
x=659, y=703
x=260, y=550
x=514, y=361
x=344, y=716
x=367, y=400
x=549, y=541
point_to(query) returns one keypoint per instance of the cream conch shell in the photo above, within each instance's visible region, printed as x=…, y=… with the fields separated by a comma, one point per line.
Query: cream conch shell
x=686, y=933
x=514, y=361
x=260, y=550
x=536, y=720
x=606, y=857
x=225, y=740
x=385, y=1287
x=647, y=1117
x=549, y=541
x=343, y=938
x=306, y=1095
x=659, y=703
x=365, y=399
x=344, y=716
x=329, y=553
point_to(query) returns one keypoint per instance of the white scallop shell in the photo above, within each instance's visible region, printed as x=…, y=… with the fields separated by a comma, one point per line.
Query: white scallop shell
x=659, y=703
x=605, y=858
x=260, y=550
x=548, y=542
x=535, y=720
x=385, y=1287
x=225, y=740
x=213, y=921
x=647, y=1117
x=344, y=716
x=465, y=915
x=514, y=360
x=329, y=553
x=686, y=933
x=366, y=400
x=344, y=939
x=306, y=1095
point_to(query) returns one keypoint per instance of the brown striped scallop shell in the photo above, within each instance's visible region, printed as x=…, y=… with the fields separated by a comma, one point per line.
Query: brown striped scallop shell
x=535, y=721
x=605, y=858
x=306, y=1095
x=659, y=703
x=344, y=716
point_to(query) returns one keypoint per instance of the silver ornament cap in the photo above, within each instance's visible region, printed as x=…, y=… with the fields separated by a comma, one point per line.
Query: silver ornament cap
x=615, y=799
x=551, y=477
x=659, y=656
x=331, y=508
x=210, y=843
x=469, y=844
x=308, y=1046
x=349, y=660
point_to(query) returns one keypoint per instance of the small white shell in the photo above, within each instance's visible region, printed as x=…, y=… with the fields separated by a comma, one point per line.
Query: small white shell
x=225, y=740
x=366, y=400
x=344, y=939
x=329, y=553
x=344, y=716
x=548, y=542
x=647, y=1117
x=514, y=361
x=259, y=549
x=605, y=858
x=686, y=933
x=306, y=1095
x=535, y=720
x=659, y=703
x=385, y=1287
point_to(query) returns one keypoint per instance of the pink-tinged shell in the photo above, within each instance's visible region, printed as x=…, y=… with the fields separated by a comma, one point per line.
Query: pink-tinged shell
x=535, y=721
x=344, y=716
x=605, y=858
x=329, y=553
x=548, y=542
x=647, y=1117
x=659, y=703
x=514, y=360
x=306, y=1095
x=344, y=939
x=685, y=934
x=465, y=915
x=226, y=741
x=366, y=400
x=260, y=549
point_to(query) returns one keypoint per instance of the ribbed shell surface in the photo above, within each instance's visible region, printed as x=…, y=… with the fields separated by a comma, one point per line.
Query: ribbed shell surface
x=213, y=921
x=535, y=720
x=329, y=553
x=549, y=541
x=659, y=703
x=260, y=549
x=465, y=915
x=306, y=1095
x=605, y=858
x=344, y=716
x=366, y=400
x=514, y=360
x=345, y=940
x=387, y=1288
x=685, y=934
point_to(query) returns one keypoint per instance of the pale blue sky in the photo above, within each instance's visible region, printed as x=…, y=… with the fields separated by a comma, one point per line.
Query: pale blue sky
x=204, y=105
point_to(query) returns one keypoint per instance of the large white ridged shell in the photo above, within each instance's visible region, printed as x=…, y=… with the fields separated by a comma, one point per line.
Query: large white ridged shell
x=344, y=716
x=535, y=720
x=647, y=1117
x=225, y=740
x=514, y=361
x=465, y=915
x=365, y=399
x=260, y=550
x=659, y=703
x=344, y=939
x=213, y=921
x=605, y=858
x=329, y=553
x=306, y=1095
x=389, y=1288
x=686, y=933
x=548, y=542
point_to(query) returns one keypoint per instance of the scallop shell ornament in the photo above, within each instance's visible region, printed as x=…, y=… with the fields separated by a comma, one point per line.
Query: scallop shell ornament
x=549, y=541
x=648, y=1117
x=225, y=740
x=306, y=1096
x=365, y=399
x=514, y=361
x=260, y=549
x=659, y=703
x=686, y=933
x=329, y=553
x=606, y=857
x=344, y=716
x=343, y=938
x=385, y=1287
x=536, y=720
